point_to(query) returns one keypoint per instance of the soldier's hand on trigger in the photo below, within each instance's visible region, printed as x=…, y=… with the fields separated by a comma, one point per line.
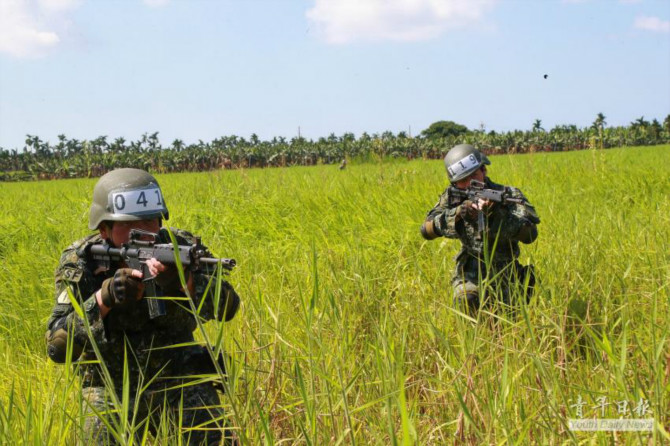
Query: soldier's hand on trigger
x=482, y=204
x=468, y=210
x=123, y=288
x=155, y=267
x=167, y=277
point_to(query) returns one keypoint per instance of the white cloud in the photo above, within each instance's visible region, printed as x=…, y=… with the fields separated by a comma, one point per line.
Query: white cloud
x=156, y=3
x=652, y=24
x=343, y=21
x=59, y=5
x=21, y=33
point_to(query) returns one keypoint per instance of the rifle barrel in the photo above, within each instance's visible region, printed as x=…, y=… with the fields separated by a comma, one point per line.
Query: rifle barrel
x=226, y=263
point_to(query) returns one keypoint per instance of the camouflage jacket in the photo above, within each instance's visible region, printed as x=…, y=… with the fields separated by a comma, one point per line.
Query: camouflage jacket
x=131, y=326
x=506, y=225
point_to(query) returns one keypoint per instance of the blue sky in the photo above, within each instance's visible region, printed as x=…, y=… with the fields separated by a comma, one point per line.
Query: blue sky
x=200, y=69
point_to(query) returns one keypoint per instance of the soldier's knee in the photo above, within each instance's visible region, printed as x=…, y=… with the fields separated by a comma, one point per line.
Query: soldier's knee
x=57, y=342
x=467, y=294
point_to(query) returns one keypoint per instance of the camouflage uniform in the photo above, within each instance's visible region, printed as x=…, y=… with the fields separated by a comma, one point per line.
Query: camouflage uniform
x=506, y=226
x=129, y=332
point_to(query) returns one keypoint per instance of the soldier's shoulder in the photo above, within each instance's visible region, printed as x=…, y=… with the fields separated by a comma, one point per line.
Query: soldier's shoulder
x=493, y=185
x=182, y=236
x=515, y=192
x=74, y=250
x=511, y=191
x=72, y=263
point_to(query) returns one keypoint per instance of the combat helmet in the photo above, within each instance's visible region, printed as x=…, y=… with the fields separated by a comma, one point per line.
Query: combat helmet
x=126, y=195
x=462, y=160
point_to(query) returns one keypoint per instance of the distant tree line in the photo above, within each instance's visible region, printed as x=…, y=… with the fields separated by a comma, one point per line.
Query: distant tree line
x=70, y=158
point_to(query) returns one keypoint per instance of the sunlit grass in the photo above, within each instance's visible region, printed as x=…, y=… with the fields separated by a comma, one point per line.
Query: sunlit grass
x=347, y=333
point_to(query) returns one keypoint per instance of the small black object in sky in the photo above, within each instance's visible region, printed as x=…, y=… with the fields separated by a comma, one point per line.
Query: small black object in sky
x=546, y=76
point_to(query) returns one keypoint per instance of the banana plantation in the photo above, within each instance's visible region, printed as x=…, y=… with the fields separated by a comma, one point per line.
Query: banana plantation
x=69, y=158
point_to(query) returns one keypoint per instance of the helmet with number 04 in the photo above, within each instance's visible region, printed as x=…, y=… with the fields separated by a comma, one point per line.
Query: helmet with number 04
x=462, y=160
x=126, y=195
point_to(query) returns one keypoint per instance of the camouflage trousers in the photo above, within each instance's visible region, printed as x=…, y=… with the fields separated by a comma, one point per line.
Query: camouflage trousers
x=508, y=283
x=195, y=409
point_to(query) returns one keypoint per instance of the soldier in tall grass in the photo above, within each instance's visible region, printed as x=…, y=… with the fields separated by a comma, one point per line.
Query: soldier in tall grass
x=487, y=268
x=158, y=377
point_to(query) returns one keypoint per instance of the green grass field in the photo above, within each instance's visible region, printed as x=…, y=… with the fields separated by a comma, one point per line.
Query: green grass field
x=347, y=333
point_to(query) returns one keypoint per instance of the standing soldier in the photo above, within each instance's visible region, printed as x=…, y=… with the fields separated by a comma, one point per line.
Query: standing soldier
x=159, y=352
x=489, y=231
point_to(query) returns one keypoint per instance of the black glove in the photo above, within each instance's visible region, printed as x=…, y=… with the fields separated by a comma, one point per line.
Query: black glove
x=121, y=289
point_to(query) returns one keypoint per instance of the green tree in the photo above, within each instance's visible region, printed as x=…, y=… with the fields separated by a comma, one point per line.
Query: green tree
x=599, y=123
x=639, y=123
x=655, y=129
x=443, y=129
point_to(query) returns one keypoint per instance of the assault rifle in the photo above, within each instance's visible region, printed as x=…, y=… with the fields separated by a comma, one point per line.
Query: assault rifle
x=142, y=246
x=478, y=191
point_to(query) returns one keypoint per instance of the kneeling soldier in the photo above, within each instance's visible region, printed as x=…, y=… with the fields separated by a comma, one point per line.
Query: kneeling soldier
x=490, y=220
x=127, y=335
